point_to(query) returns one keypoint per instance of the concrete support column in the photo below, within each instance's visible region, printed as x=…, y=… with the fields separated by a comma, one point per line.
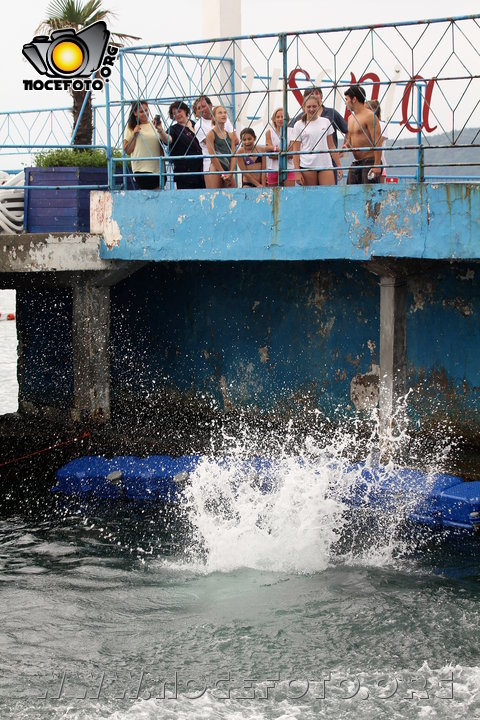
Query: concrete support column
x=393, y=345
x=91, y=353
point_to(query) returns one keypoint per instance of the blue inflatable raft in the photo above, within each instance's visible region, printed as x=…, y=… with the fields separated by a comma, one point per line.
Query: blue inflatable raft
x=438, y=501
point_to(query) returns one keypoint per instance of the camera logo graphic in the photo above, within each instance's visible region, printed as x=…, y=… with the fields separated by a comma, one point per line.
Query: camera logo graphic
x=68, y=54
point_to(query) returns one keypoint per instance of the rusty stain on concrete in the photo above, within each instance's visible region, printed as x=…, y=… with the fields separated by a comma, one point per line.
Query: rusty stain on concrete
x=265, y=196
x=263, y=352
x=275, y=214
x=392, y=227
x=365, y=240
x=469, y=275
x=464, y=308
x=372, y=210
x=422, y=291
x=364, y=389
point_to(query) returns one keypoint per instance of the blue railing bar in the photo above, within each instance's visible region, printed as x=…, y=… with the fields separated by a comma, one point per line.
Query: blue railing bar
x=325, y=83
x=420, y=153
x=56, y=109
x=259, y=153
x=347, y=28
x=122, y=109
x=55, y=147
x=79, y=119
x=108, y=151
x=175, y=55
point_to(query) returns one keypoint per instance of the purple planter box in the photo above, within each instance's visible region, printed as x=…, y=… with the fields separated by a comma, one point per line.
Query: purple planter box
x=57, y=210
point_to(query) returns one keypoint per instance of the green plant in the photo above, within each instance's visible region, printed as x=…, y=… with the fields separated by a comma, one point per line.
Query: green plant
x=70, y=157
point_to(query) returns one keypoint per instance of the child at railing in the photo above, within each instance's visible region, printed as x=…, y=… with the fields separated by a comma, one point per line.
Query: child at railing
x=141, y=141
x=312, y=134
x=251, y=165
x=272, y=145
x=221, y=142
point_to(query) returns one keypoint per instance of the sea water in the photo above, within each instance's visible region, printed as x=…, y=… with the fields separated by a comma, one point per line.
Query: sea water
x=236, y=604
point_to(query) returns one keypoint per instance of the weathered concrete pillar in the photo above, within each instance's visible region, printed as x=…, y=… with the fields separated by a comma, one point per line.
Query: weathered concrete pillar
x=91, y=352
x=393, y=345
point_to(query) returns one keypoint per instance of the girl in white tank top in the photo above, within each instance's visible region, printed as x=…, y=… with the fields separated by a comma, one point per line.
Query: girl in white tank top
x=272, y=145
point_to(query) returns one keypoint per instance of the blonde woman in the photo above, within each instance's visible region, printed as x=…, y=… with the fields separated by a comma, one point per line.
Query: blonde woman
x=221, y=142
x=272, y=145
x=314, y=133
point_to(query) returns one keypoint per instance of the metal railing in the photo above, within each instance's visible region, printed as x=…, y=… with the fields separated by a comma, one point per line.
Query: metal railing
x=425, y=75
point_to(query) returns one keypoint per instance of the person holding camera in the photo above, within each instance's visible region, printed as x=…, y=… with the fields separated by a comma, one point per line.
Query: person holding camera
x=141, y=141
x=184, y=148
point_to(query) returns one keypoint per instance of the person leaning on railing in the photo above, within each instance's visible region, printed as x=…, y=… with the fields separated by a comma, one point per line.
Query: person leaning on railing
x=202, y=109
x=220, y=142
x=141, y=141
x=272, y=145
x=364, y=138
x=314, y=139
x=184, y=148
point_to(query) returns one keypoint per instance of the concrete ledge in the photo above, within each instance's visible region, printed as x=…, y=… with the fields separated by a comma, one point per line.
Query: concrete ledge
x=427, y=221
x=62, y=252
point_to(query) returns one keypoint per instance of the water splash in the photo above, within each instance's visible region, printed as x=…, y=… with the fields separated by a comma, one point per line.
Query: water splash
x=292, y=511
x=289, y=528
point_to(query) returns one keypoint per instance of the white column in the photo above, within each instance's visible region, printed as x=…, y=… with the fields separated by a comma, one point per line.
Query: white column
x=393, y=346
x=223, y=18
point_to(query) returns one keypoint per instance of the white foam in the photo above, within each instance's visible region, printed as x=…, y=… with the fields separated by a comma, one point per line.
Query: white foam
x=237, y=524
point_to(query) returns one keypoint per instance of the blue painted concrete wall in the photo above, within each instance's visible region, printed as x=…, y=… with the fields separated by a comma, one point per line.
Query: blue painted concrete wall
x=45, y=320
x=443, y=342
x=257, y=299
x=345, y=222
x=268, y=335
x=251, y=335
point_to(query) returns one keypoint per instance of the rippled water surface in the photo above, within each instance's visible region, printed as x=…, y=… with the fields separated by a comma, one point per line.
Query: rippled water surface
x=104, y=615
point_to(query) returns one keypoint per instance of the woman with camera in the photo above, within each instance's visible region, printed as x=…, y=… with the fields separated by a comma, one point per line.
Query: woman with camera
x=183, y=147
x=141, y=141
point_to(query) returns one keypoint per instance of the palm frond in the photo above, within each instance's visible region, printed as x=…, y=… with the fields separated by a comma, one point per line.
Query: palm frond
x=77, y=14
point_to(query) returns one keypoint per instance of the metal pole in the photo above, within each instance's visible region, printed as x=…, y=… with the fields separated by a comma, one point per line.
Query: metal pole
x=108, y=150
x=122, y=115
x=420, y=149
x=282, y=158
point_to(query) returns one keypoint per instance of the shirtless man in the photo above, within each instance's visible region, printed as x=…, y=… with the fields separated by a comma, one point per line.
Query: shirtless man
x=363, y=132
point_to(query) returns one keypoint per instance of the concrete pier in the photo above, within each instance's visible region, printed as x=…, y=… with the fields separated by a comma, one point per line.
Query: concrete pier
x=393, y=346
x=91, y=352
x=246, y=300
